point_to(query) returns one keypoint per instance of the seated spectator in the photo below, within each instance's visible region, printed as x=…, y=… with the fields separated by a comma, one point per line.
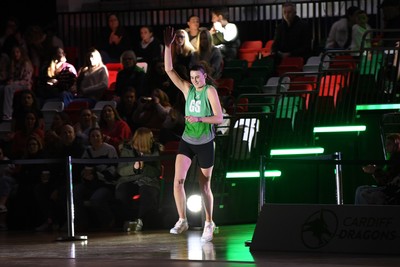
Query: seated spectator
x=182, y=51
x=52, y=137
x=341, y=31
x=4, y=67
x=91, y=82
x=359, y=30
x=114, y=129
x=21, y=77
x=7, y=186
x=209, y=53
x=87, y=121
x=152, y=111
x=31, y=127
x=126, y=107
x=148, y=49
x=391, y=18
x=57, y=76
x=193, y=30
x=114, y=40
x=225, y=33
x=292, y=36
x=25, y=101
x=130, y=76
x=94, y=192
x=139, y=178
x=174, y=123
x=387, y=190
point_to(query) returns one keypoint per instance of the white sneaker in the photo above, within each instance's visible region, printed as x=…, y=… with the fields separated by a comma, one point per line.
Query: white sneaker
x=180, y=227
x=208, y=232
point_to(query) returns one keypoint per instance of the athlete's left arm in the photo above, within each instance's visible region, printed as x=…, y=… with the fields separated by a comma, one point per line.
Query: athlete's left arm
x=217, y=118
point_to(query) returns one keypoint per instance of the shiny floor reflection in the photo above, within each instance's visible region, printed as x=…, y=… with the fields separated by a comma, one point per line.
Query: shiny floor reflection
x=159, y=248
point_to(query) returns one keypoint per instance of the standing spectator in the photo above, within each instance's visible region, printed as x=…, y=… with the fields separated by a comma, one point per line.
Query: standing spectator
x=139, y=178
x=95, y=191
x=225, y=34
x=114, y=129
x=209, y=53
x=21, y=77
x=130, y=76
x=202, y=111
x=28, y=176
x=114, y=40
x=341, y=31
x=292, y=36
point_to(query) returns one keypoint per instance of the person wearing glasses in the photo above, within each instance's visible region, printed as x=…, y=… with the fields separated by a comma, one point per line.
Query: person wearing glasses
x=202, y=112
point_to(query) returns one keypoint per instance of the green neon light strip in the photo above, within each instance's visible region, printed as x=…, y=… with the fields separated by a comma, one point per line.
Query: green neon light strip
x=297, y=151
x=255, y=174
x=377, y=107
x=336, y=129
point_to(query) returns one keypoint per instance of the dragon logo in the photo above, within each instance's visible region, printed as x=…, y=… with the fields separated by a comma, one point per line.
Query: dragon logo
x=319, y=228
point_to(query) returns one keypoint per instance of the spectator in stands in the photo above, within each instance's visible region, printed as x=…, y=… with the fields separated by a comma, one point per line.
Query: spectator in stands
x=56, y=76
x=12, y=36
x=292, y=36
x=387, y=190
x=209, y=53
x=114, y=129
x=87, y=121
x=91, y=82
x=139, y=178
x=182, y=51
x=391, y=18
x=193, y=30
x=28, y=176
x=225, y=34
x=95, y=191
x=340, y=33
x=21, y=77
x=152, y=111
x=4, y=67
x=51, y=193
x=126, y=107
x=114, y=40
x=7, y=186
x=53, y=136
x=130, y=76
x=149, y=50
x=359, y=30
x=31, y=127
x=25, y=101
x=174, y=123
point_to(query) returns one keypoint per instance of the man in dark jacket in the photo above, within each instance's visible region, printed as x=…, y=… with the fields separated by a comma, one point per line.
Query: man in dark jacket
x=292, y=36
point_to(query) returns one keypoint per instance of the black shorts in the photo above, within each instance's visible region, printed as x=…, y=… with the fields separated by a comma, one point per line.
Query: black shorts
x=204, y=152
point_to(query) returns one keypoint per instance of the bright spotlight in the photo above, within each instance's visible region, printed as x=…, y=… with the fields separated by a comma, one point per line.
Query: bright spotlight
x=194, y=203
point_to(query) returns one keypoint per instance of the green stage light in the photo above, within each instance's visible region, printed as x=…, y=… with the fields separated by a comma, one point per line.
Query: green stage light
x=377, y=107
x=297, y=151
x=336, y=129
x=253, y=174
